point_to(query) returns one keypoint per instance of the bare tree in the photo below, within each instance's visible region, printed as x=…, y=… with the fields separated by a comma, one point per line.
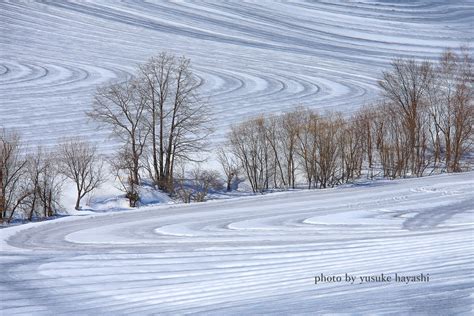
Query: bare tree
x=392, y=141
x=365, y=120
x=121, y=107
x=14, y=189
x=250, y=146
x=351, y=148
x=274, y=138
x=122, y=168
x=79, y=162
x=229, y=165
x=176, y=116
x=290, y=126
x=307, y=148
x=328, y=150
x=44, y=182
x=451, y=107
x=156, y=77
x=407, y=86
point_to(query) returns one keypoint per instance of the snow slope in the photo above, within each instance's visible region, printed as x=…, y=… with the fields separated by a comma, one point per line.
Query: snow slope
x=251, y=57
x=253, y=255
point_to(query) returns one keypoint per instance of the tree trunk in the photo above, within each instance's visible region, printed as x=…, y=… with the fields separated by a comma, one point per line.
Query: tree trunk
x=78, y=201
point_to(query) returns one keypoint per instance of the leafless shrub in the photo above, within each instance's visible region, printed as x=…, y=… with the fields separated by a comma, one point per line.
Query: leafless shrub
x=203, y=181
x=194, y=186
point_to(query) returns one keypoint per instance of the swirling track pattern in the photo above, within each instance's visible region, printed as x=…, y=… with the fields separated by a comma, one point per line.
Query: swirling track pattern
x=252, y=57
x=256, y=255
x=253, y=255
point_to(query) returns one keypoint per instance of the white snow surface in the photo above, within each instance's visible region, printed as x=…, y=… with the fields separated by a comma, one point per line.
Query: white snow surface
x=253, y=255
x=244, y=256
x=252, y=57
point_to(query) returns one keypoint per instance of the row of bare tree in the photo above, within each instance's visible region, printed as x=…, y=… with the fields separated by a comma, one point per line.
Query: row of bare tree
x=423, y=123
x=31, y=183
x=275, y=151
x=158, y=118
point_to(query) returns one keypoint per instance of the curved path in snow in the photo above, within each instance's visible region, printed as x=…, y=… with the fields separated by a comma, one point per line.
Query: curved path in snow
x=252, y=57
x=253, y=255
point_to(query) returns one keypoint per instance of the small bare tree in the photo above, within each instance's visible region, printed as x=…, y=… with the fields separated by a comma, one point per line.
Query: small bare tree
x=45, y=184
x=79, y=162
x=250, y=145
x=351, y=151
x=229, y=165
x=327, y=135
x=307, y=148
x=365, y=120
x=290, y=124
x=122, y=168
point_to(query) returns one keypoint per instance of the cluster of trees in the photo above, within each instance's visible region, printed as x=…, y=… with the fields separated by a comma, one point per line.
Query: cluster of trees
x=427, y=116
x=157, y=117
x=159, y=120
x=423, y=123
x=31, y=181
x=274, y=151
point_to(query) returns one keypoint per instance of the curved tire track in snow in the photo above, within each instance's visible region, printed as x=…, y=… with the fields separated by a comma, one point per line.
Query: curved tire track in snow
x=253, y=255
x=252, y=57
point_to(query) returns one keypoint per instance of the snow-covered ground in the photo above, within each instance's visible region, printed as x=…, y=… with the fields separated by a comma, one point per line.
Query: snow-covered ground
x=246, y=255
x=253, y=255
x=256, y=57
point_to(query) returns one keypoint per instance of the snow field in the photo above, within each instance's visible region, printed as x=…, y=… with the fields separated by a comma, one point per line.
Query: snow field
x=252, y=58
x=253, y=255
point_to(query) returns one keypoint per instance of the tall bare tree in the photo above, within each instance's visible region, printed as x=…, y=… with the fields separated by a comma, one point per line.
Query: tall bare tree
x=177, y=117
x=121, y=107
x=156, y=77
